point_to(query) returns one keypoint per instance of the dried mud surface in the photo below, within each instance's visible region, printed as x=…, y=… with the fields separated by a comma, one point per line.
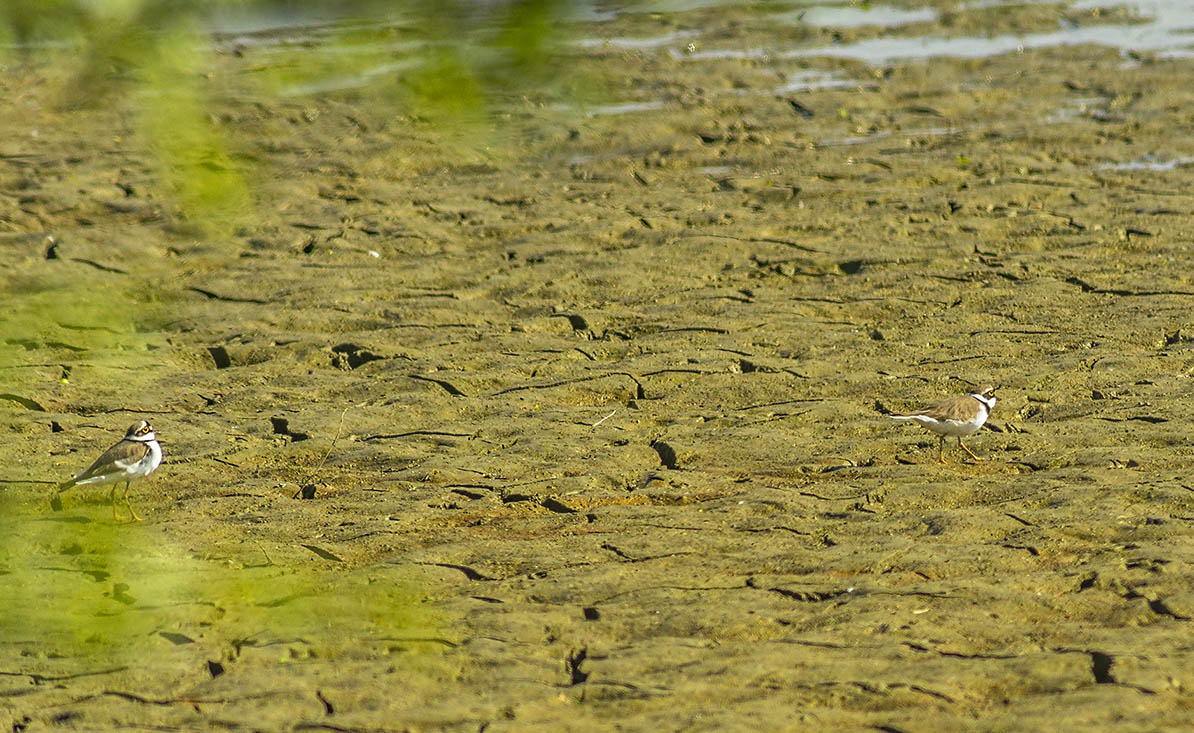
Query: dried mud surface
x=608, y=401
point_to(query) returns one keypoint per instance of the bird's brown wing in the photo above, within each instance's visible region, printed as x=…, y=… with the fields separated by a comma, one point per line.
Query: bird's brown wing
x=126, y=451
x=960, y=407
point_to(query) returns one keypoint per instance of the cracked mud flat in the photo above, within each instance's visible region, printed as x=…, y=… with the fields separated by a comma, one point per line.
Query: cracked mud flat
x=604, y=417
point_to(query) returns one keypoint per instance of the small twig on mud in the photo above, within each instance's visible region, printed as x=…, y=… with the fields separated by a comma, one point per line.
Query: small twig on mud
x=261, y=547
x=339, y=430
x=603, y=419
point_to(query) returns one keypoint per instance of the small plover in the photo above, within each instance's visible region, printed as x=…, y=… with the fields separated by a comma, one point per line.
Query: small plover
x=955, y=417
x=137, y=454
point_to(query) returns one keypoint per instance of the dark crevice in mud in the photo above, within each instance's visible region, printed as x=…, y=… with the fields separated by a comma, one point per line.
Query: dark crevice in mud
x=1100, y=668
x=955, y=655
x=1152, y=419
x=171, y=701
x=646, y=481
x=616, y=551
x=98, y=266
x=802, y=596
x=702, y=372
x=31, y=344
x=227, y=298
x=684, y=588
x=781, y=416
x=305, y=492
x=219, y=356
x=1156, y=605
x=441, y=383
x=1016, y=331
x=764, y=240
x=351, y=356
x=777, y=528
x=1032, y=467
x=800, y=109
x=801, y=400
x=281, y=426
x=1159, y=607
x=464, y=491
x=468, y=572
x=520, y=201
x=1025, y=522
x=1088, y=288
x=431, y=326
x=328, y=708
x=556, y=506
x=882, y=689
x=851, y=497
x=809, y=596
x=953, y=360
x=815, y=644
x=639, y=393
x=667, y=454
x=572, y=665
x=736, y=298
x=1027, y=548
x=591, y=613
x=630, y=558
x=409, y=433
x=25, y=402
x=697, y=329
x=421, y=640
x=925, y=691
x=578, y=323
x=40, y=679
x=747, y=366
x=325, y=554
x=514, y=497
x=563, y=382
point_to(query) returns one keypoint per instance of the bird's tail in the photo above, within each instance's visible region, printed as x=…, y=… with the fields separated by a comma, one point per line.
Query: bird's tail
x=56, y=499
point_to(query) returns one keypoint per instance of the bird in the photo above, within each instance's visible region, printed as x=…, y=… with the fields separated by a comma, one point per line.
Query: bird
x=137, y=454
x=956, y=416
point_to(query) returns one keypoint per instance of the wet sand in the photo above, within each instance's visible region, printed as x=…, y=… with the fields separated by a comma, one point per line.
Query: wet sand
x=594, y=416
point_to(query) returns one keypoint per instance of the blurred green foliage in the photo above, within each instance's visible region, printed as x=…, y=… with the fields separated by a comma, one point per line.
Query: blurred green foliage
x=62, y=316
x=78, y=585
x=74, y=582
x=439, y=61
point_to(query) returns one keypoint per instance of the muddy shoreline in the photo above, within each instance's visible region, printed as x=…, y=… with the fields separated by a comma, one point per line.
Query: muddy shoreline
x=594, y=416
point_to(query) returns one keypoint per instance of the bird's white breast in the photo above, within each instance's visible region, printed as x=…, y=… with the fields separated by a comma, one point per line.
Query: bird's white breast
x=953, y=428
x=148, y=463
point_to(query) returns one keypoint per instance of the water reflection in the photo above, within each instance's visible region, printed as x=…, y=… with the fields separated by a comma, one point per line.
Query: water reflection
x=850, y=16
x=1165, y=29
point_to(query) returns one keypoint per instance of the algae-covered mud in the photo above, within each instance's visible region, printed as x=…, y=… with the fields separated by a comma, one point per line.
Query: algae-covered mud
x=574, y=416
